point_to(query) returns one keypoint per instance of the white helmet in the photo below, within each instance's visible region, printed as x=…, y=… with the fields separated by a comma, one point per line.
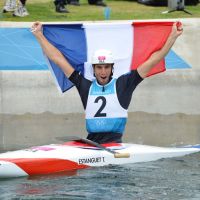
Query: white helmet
x=102, y=56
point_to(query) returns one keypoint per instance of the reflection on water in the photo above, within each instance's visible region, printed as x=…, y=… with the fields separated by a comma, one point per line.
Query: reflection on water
x=176, y=178
x=53, y=176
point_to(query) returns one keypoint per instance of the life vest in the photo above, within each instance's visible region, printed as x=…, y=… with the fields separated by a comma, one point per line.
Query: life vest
x=103, y=110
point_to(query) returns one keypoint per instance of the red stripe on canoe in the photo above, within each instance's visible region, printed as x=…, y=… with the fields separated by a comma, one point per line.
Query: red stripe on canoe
x=80, y=144
x=36, y=166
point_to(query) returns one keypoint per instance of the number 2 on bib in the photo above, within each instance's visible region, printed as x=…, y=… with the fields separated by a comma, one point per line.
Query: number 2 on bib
x=99, y=113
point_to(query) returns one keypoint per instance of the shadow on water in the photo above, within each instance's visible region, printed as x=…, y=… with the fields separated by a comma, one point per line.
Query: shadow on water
x=176, y=178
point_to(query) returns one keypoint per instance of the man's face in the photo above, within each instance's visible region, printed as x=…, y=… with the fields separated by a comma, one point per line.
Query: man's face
x=103, y=73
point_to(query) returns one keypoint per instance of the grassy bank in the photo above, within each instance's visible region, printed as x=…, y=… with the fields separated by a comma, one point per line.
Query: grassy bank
x=44, y=10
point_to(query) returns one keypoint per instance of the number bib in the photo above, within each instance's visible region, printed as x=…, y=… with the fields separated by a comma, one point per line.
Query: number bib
x=103, y=111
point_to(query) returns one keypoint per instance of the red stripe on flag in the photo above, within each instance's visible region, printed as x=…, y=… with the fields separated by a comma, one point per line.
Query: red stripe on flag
x=148, y=38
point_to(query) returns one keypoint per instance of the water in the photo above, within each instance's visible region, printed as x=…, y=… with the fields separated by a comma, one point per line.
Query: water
x=166, y=179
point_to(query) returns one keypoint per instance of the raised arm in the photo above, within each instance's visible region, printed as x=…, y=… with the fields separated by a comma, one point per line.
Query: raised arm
x=52, y=52
x=157, y=56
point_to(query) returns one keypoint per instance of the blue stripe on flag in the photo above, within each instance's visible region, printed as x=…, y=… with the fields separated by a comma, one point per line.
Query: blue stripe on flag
x=71, y=41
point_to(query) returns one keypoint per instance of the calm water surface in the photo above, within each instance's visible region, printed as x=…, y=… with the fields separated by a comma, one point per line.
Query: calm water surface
x=177, y=178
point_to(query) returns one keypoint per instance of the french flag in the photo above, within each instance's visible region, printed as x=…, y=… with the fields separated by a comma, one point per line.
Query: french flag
x=131, y=43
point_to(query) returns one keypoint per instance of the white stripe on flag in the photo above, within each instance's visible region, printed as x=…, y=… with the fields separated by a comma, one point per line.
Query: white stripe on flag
x=117, y=38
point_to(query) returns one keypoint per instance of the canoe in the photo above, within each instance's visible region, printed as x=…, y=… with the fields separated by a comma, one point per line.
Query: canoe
x=55, y=158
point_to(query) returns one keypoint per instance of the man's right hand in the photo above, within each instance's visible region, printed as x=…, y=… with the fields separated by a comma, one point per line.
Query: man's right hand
x=36, y=28
x=51, y=51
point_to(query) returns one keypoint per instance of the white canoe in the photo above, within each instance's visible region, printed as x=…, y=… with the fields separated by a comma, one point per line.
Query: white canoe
x=56, y=158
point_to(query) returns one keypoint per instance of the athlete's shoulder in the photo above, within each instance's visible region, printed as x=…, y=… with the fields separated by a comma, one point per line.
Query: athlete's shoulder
x=132, y=75
x=77, y=76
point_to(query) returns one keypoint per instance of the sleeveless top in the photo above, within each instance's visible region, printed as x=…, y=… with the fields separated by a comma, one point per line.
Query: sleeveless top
x=103, y=110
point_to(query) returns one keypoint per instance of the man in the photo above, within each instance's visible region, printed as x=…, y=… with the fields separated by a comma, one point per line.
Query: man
x=73, y=2
x=105, y=99
x=97, y=3
x=9, y=6
x=17, y=7
x=60, y=6
x=91, y=2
